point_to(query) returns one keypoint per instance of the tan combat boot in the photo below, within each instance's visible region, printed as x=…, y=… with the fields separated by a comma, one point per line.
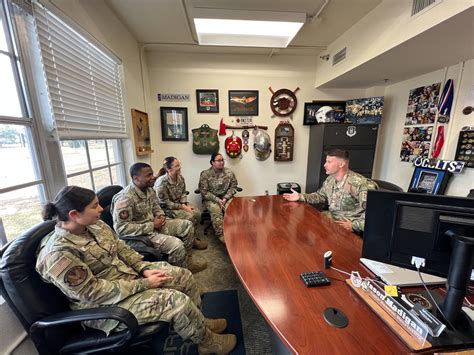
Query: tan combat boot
x=199, y=244
x=216, y=325
x=217, y=343
x=196, y=264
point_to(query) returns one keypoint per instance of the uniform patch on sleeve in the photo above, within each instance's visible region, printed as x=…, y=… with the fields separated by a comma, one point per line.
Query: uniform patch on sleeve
x=59, y=266
x=123, y=214
x=121, y=204
x=75, y=276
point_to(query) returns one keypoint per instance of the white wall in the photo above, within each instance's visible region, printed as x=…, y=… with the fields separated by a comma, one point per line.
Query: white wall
x=385, y=27
x=184, y=73
x=387, y=164
x=98, y=20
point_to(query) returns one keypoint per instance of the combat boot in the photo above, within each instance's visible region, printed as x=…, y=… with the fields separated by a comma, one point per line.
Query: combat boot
x=221, y=238
x=199, y=244
x=196, y=264
x=217, y=343
x=216, y=325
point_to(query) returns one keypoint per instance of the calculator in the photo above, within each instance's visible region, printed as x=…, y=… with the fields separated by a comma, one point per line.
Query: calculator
x=314, y=278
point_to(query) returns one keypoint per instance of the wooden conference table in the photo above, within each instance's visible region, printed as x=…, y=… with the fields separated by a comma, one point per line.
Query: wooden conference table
x=270, y=242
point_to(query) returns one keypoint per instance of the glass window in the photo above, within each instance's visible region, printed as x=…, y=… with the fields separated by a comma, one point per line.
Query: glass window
x=15, y=147
x=83, y=180
x=9, y=98
x=74, y=156
x=102, y=158
x=3, y=37
x=101, y=178
x=97, y=153
x=21, y=209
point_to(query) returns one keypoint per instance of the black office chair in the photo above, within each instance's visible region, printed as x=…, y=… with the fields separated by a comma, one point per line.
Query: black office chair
x=140, y=244
x=388, y=186
x=44, y=311
x=206, y=216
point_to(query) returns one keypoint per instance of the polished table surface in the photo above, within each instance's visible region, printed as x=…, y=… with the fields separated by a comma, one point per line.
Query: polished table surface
x=270, y=242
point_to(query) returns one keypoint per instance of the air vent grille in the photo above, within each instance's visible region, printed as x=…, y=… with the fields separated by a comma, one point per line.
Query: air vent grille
x=339, y=56
x=420, y=5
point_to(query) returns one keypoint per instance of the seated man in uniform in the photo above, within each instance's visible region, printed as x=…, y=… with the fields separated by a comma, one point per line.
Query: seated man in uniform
x=137, y=212
x=217, y=185
x=344, y=191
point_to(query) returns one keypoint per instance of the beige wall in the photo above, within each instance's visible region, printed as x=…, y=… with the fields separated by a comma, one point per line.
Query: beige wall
x=184, y=73
x=387, y=161
x=385, y=27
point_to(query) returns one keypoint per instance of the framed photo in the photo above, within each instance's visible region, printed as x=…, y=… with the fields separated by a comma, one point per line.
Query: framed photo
x=324, y=112
x=207, y=101
x=429, y=180
x=364, y=111
x=243, y=102
x=174, y=123
x=141, y=132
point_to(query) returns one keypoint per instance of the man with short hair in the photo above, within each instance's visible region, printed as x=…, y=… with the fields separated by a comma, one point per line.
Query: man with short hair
x=344, y=191
x=137, y=212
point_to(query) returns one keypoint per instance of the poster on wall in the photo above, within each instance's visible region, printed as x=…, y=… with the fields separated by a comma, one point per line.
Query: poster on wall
x=423, y=105
x=364, y=111
x=416, y=142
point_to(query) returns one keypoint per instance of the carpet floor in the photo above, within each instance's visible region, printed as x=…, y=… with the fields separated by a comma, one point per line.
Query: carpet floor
x=220, y=275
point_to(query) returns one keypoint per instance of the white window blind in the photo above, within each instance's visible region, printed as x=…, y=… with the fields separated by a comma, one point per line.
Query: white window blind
x=84, y=83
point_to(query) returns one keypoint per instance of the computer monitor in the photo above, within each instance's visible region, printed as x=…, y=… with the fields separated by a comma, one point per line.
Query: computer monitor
x=439, y=229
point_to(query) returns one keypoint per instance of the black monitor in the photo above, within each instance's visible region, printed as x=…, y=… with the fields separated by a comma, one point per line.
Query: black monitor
x=439, y=229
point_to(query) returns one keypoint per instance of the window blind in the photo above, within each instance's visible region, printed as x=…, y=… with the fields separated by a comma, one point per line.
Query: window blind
x=84, y=83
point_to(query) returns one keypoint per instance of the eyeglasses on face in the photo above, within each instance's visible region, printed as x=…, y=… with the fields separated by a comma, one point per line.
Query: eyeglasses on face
x=219, y=160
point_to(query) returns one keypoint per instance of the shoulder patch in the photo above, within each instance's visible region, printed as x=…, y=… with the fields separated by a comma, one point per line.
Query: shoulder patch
x=59, y=266
x=123, y=214
x=75, y=276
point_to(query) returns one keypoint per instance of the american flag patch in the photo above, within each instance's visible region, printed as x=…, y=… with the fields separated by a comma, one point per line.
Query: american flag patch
x=121, y=204
x=59, y=266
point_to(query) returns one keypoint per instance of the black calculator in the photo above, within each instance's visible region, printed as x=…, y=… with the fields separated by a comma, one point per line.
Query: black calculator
x=314, y=278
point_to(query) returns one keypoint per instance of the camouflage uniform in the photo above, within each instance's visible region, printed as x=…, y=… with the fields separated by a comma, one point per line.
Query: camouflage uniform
x=172, y=194
x=215, y=186
x=133, y=211
x=97, y=269
x=345, y=199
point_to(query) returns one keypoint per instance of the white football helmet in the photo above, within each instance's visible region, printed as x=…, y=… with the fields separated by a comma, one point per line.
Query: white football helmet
x=325, y=114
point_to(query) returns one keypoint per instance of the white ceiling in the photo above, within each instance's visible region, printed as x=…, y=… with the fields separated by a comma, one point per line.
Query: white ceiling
x=167, y=25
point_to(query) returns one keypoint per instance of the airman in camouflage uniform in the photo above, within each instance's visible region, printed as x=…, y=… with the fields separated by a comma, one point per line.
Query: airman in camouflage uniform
x=133, y=212
x=217, y=185
x=137, y=212
x=97, y=269
x=172, y=196
x=344, y=192
x=346, y=199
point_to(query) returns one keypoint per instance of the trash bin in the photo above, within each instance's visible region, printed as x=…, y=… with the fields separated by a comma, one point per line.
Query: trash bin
x=285, y=187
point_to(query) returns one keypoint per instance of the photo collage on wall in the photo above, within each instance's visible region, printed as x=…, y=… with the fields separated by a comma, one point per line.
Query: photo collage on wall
x=419, y=122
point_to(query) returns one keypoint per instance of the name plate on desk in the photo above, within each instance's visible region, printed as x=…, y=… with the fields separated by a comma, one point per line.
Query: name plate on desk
x=406, y=319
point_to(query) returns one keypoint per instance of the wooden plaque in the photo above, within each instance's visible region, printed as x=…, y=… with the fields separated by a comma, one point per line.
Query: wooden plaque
x=284, y=141
x=141, y=132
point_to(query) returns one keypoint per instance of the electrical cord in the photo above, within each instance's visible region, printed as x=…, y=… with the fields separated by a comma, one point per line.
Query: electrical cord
x=346, y=273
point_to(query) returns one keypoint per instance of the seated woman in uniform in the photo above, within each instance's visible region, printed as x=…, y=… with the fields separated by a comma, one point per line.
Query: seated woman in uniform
x=93, y=268
x=171, y=191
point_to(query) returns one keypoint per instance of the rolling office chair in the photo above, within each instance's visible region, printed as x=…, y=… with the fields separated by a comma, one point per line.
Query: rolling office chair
x=140, y=244
x=44, y=311
x=388, y=186
x=205, y=215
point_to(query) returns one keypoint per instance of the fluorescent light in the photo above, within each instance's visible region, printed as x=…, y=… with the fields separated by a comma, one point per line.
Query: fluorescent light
x=247, y=28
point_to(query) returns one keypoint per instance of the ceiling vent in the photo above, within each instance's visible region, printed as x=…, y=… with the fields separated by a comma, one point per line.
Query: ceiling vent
x=423, y=5
x=339, y=56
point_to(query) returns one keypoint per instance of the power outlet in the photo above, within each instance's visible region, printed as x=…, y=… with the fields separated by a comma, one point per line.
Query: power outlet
x=266, y=192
